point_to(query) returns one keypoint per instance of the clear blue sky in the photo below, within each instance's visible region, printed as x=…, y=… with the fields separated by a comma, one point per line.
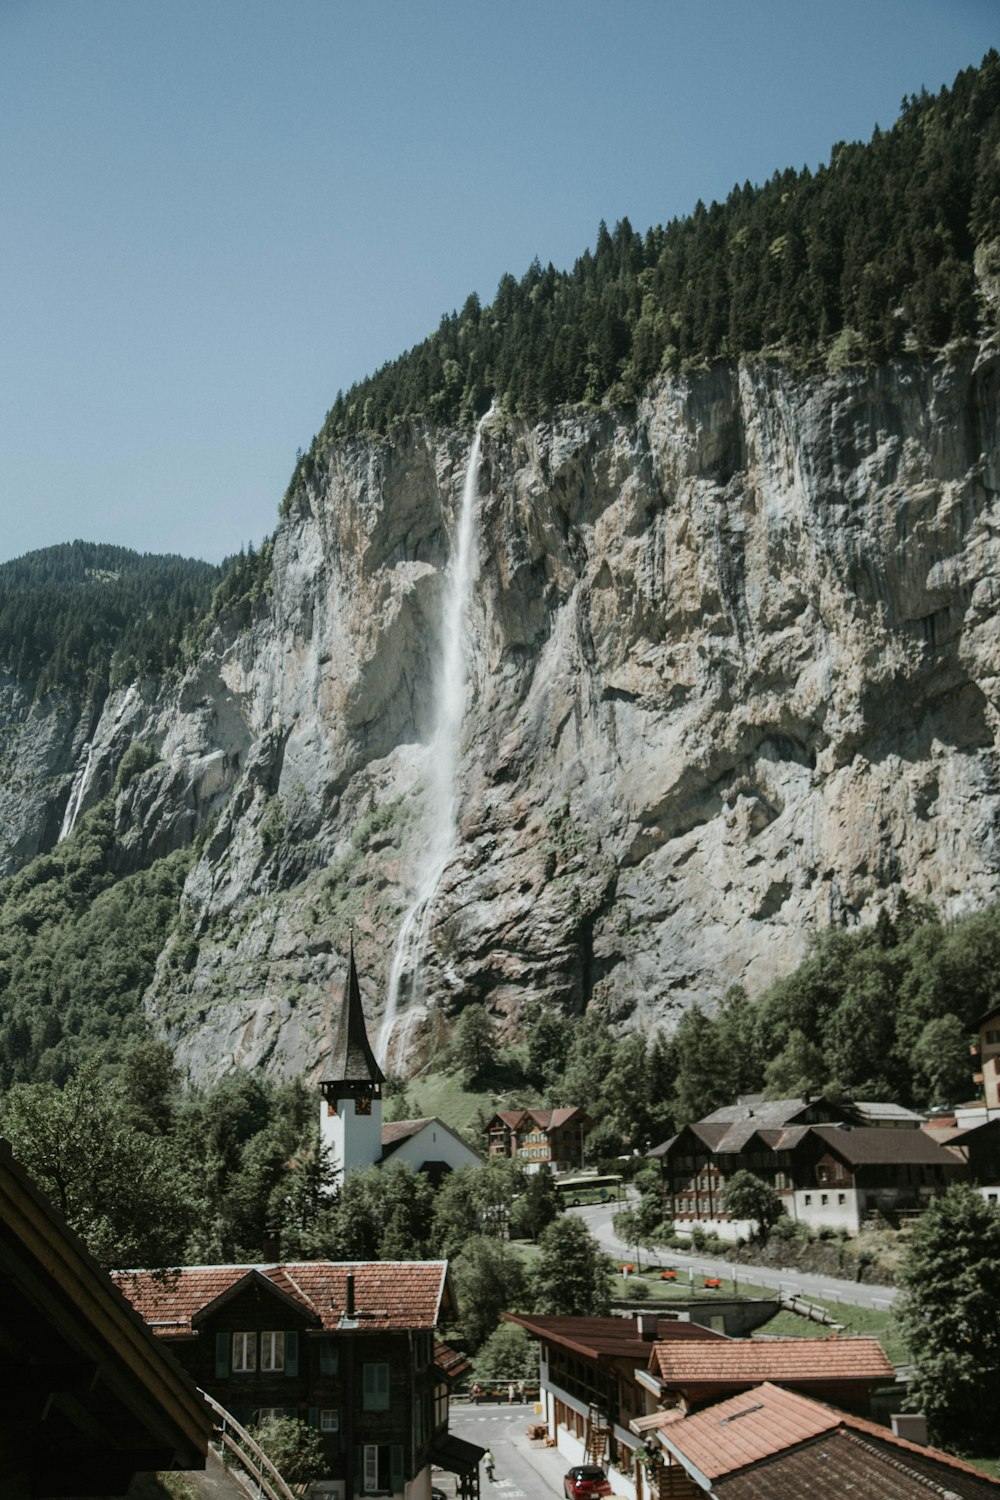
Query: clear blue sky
x=219, y=212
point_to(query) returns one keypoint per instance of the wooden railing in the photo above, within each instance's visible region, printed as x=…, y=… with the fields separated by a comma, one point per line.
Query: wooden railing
x=249, y=1455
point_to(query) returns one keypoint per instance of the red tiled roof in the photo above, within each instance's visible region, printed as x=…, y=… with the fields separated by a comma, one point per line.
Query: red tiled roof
x=730, y=1439
x=753, y=1360
x=451, y=1362
x=387, y=1294
x=747, y=1428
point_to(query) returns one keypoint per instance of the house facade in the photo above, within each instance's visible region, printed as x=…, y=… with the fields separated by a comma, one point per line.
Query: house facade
x=536, y=1138
x=347, y=1348
x=828, y=1171
x=590, y=1372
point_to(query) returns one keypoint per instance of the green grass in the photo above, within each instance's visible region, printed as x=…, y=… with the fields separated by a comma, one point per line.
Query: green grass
x=442, y=1094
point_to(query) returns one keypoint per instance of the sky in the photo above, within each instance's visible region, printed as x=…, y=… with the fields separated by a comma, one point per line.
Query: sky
x=218, y=213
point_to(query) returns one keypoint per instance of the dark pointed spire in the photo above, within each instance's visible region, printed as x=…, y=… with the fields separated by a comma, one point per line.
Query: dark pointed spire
x=353, y=1060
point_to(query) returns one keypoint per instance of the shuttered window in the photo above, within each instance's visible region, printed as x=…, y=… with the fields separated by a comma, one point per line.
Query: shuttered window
x=375, y=1387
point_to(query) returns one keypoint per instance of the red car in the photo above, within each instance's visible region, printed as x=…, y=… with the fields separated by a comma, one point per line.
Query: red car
x=586, y=1482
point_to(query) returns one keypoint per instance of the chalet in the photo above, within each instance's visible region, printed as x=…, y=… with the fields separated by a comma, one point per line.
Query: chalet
x=988, y=1027
x=348, y=1348
x=351, y=1124
x=827, y=1170
x=589, y=1384
x=91, y=1397
x=536, y=1138
x=773, y=1442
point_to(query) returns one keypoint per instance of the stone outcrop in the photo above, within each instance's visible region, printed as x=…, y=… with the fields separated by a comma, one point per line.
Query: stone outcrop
x=734, y=670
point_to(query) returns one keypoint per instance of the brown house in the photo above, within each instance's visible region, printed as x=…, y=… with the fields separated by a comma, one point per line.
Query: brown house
x=590, y=1372
x=348, y=1348
x=552, y=1138
x=828, y=1170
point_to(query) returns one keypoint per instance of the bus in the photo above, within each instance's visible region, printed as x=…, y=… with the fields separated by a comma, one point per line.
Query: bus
x=589, y=1189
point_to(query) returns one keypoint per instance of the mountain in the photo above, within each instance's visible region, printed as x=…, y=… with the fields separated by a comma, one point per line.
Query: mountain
x=733, y=676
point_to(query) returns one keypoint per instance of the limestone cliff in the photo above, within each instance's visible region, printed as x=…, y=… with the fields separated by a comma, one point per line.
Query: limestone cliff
x=734, y=674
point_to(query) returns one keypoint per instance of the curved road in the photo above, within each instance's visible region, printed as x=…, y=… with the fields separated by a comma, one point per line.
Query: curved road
x=598, y=1216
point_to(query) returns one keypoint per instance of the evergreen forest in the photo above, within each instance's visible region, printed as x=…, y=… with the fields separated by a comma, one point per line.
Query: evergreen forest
x=871, y=256
x=90, y=616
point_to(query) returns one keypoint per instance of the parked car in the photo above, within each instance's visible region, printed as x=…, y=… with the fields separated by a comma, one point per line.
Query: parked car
x=586, y=1482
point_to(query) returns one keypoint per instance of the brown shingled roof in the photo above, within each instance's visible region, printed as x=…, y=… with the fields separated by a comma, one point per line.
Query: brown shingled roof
x=615, y=1336
x=752, y=1360
x=387, y=1294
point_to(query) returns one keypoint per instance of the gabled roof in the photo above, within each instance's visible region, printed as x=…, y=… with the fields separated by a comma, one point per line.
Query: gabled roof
x=545, y=1119
x=352, y=1059
x=387, y=1294
x=617, y=1337
x=867, y=1144
x=749, y=1361
x=452, y=1363
x=772, y=1444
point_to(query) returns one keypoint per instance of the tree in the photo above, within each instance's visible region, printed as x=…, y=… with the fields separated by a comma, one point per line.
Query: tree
x=473, y=1047
x=537, y=1206
x=941, y=1059
x=119, y=1188
x=547, y=1035
x=489, y=1280
x=799, y=1069
x=508, y=1354
x=572, y=1274
x=747, y=1196
x=950, y=1319
x=295, y=1449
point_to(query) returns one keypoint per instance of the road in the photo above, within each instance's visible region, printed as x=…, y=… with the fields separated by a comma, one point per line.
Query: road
x=598, y=1216
x=524, y=1471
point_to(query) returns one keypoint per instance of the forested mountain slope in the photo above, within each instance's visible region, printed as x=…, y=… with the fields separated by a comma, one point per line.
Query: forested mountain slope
x=733, y=648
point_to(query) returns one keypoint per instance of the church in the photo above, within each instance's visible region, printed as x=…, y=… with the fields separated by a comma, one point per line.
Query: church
x=351, y=1124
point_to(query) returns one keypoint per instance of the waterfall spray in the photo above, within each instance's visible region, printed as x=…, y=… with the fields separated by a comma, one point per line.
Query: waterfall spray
x=405, y=977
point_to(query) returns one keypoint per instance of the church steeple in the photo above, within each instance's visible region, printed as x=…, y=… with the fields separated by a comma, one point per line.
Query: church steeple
x=351, y=1114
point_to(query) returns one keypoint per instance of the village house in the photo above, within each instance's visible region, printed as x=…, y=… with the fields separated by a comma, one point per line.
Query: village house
x=776, y=1443
x=348, y=1348
x=537, y=1138
x=828, y=1170
x=589, y=1385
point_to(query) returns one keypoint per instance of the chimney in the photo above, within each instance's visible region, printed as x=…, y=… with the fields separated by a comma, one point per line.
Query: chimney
x=911, y=1425
x=270, y=1247
x=349, y=1304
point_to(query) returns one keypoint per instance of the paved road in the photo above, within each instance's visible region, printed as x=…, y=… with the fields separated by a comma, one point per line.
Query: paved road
x=598, y=1218
x=524, y=1471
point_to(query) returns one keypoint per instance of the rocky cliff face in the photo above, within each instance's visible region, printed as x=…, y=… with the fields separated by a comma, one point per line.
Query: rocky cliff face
x=734, y=675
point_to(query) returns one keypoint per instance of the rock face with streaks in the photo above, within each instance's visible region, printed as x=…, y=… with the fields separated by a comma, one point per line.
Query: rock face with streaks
x=734, y=667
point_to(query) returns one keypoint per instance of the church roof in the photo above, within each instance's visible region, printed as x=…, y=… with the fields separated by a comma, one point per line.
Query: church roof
x=353, y=1060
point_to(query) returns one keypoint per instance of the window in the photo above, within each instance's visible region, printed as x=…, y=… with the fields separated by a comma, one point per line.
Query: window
x=244, y=1353
x=808, y=1198
x=268, y=1414
x=375, y=1387
x=272, y=1351
x=382, y=1469
x=329, y=1419
x=824, y=1199
x=841, y=1197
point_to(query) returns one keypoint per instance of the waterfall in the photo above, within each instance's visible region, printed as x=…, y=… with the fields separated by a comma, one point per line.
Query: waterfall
x=76, y=796
x=405, y=980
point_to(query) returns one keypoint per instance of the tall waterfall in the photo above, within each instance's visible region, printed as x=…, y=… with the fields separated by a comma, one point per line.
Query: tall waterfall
x=76, y=796
x=405, y=978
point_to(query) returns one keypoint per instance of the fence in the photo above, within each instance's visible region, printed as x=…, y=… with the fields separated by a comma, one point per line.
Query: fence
x=249, y=1455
